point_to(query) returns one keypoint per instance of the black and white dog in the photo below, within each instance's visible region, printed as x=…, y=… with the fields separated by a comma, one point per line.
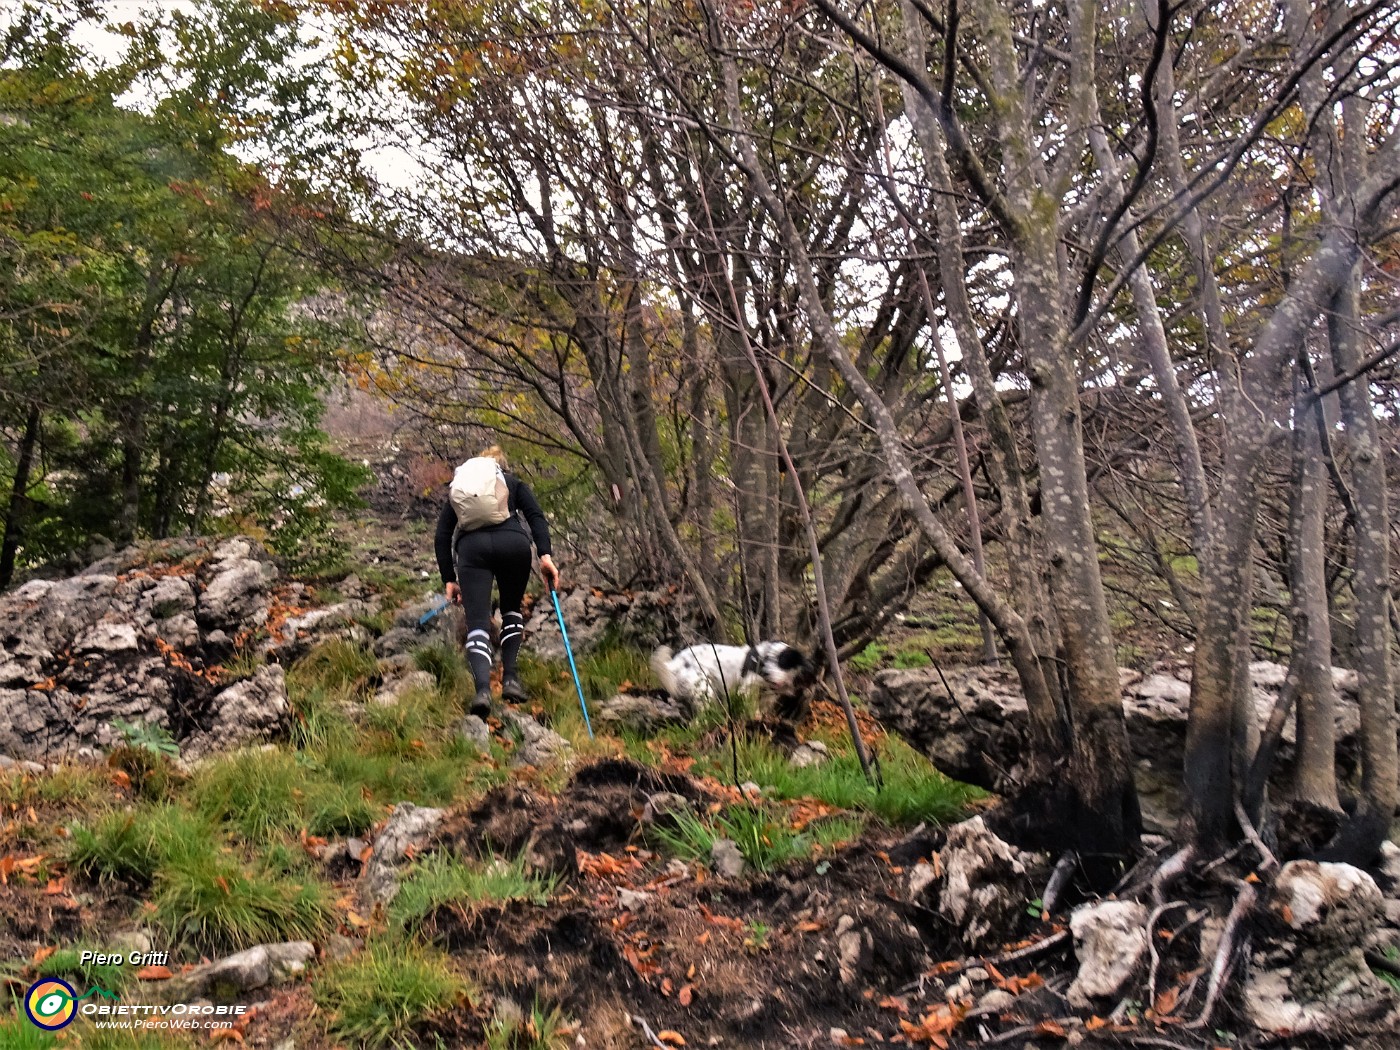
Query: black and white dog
x=704, y=673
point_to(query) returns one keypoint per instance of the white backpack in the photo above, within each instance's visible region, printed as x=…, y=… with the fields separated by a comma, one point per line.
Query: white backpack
x=479, y=494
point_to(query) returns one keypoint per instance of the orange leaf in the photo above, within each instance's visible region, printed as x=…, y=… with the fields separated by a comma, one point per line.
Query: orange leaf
x=55, y=887
x=154, y=973
x=1095, y=1023
x=232, y=1035
x=121, y=778
x=1166, y=1002
x=671, y=1037
x=687, y=994
x=41, y=954
x=1053, y=1028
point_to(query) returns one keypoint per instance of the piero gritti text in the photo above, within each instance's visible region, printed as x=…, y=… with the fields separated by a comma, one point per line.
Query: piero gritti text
x=131, y=958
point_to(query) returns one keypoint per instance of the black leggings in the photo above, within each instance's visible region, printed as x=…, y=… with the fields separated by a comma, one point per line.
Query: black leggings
x=502, y=554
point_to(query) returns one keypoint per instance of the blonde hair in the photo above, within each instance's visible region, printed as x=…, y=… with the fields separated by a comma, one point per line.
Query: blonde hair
x=495, y=452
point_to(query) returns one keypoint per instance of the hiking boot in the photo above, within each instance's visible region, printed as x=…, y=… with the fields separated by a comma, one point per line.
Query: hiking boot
x=513, y=690
x=481, y=703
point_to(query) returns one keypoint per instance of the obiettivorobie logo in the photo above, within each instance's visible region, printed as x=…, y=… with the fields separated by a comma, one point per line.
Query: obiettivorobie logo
x=52, y=1004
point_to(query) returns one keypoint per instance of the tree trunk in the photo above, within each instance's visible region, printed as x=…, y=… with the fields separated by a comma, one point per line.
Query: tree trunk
x=1310, y=664
x=19, y=497
x=1362, y=837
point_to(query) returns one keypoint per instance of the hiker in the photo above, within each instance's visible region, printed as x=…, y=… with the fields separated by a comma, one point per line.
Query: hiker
x=480, y=538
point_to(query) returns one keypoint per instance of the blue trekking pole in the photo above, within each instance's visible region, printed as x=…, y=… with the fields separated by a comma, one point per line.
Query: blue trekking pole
x=568, y=649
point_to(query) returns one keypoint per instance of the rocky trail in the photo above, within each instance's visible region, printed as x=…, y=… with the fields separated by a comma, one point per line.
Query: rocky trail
x=415, y=878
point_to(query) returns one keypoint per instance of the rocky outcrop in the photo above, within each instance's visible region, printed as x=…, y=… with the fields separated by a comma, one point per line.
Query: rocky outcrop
x=644, y=619
x=408, y=828
x=139, y=637
x=975, y=727
x=245, y=971
x=1311, y=973
x=987, y=883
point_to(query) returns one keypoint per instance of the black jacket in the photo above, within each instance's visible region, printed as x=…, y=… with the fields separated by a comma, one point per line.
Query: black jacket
x=522, y=501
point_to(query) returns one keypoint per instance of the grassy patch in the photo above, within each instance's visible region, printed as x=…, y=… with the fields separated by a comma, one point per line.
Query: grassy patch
x=66, y=963
x=442, y=879
x=66, y=784
x=257, y=792
x=763, y=836
x=243, y=664
x=131, y=845
x=540, y=1029
x=16, y=1033
x=913, y=790
x=318, y=716
x=336, y=665
x=215, y=905
x=380, y=996
x=446, y=664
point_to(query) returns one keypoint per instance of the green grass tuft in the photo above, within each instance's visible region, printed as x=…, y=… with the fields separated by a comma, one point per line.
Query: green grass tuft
x=446, y=664
x=337, y=665
x=67, y=964
x=130, y=845
x=541, y=1030
x=443, y=879
x=67, y=784
x=382, y=995
x=913, y=790
x=256, y=792
x=213, y=904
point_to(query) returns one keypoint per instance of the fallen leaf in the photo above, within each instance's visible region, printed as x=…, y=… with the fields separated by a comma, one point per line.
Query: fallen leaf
x=55, y=887
x=687, y=994
x=1053, y=1028
x=1166, y=1002
x=154, y=973
x=41, y=954
x=230, y=1035
x=671, y=1037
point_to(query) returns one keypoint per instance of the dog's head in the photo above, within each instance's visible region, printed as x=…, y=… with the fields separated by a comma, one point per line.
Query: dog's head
x=787, y=670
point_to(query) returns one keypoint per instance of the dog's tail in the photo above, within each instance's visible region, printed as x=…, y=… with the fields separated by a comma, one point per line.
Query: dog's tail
x=661, y=667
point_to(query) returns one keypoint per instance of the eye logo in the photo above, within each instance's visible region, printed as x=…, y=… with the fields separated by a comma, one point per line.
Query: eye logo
x=51, y=1004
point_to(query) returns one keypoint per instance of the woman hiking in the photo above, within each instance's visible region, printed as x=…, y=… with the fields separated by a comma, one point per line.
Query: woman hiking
x=480, y=538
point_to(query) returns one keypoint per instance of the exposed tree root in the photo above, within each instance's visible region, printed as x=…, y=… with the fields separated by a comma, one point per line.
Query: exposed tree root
x=1059, y=879
x=1224, y=953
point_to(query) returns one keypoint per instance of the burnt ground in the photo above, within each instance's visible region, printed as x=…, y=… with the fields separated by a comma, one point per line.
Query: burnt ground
x=755, y=962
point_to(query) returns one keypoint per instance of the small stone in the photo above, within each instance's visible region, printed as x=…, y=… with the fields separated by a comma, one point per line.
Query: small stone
x=476, y=732
x=128, y=941
x=633, y=900
x=664, y=805
x=1390, y=861
x=996, y=1001
x=507, y=1013
x=849, y=947
x=839, y=1037
x=812, y=753
x=750, y=788
x=726, y=859
x=1110, y=941
x=408, y=828
x=921, y=877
